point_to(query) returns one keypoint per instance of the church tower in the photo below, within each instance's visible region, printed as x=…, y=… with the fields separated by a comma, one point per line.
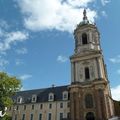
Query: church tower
x=90, y=95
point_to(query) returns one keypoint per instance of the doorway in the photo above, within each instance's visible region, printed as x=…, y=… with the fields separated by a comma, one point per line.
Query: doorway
x=90, y=116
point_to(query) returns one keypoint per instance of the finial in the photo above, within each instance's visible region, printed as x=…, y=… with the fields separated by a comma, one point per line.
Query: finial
x=84, y=15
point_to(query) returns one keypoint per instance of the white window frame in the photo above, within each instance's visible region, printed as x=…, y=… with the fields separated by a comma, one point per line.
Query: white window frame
x=34, y=96
x=65, y=93
x=19, y=99
x=49, y=97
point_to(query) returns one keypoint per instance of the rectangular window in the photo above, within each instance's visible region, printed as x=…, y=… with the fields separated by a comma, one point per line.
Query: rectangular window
x=33, y=99
x=49, y=116
x=50, y=106
x=68, y=115
x=65, y=96
x=61, y=116
x=23, y=117
x=40, y=116
x=41, y=106
x=32, y=107
x=68, y=104
x=15, y=117
x=31, y=117
x=17, y=107
x=87, y=74
x=24, y=107
x=61, y=105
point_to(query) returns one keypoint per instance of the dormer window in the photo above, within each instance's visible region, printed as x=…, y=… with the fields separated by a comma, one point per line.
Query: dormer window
x=34, y=98
x=84, y=39
x=51, y=97
x=65, y=95
x=19, y=99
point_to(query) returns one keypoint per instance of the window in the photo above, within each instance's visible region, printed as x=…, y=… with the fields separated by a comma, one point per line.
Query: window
x=34, y=97
x=68, y=104
x=88, y=101
x=90, y=116
x=31, y=117
x=84, y=39
x=87, y=74
x=23, y=117
x=19, y=99
x=61, y=116
x=51, y=97
x=15, y=117
x=24, y=107
x=40, y=116
x=65, y=95
x=49, y=116
x=68, y=115
x=61, y=105
x=32, y=107
x=17, y=108
x=41, y=106
x=50, y=106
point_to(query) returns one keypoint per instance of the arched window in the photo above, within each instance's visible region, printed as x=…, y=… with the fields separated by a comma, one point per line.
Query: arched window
x=88, y=101
x=84, y=39
x=87, y=73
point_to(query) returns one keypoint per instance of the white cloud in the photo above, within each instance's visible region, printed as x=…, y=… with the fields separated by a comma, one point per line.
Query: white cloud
x=79, y=3
x=25, y=76
x=62, y=58
x=104, y=2
x=54, y=14
x=12, y=37
x=16, y=36
x=22, y=51
x=115, y=59
x=116, y=92
x=18, y=62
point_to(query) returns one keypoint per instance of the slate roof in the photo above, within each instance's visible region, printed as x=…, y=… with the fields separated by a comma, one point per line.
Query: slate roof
x=42, y=94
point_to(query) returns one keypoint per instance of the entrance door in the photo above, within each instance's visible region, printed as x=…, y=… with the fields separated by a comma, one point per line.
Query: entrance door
x=90, y=116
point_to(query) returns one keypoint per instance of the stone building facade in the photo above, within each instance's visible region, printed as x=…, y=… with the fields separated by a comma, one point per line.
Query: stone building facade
x=88, y=97
x=42, y=104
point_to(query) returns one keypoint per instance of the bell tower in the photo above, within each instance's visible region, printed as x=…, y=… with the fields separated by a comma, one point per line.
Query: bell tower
x=90, y=94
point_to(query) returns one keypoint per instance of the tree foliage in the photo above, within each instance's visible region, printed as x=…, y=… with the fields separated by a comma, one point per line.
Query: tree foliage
x=6, y=117
x=9, y=85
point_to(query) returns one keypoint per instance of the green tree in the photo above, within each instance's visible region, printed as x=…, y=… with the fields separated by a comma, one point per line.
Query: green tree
x=9, y=85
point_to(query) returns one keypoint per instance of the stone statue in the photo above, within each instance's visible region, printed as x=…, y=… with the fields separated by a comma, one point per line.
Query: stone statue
x=3, y=112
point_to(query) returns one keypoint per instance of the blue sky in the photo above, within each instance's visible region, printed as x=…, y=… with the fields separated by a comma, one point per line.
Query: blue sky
x=36, y=39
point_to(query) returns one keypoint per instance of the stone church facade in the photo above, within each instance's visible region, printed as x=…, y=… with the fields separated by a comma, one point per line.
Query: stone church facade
x=90, y=95
x=87, y=98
